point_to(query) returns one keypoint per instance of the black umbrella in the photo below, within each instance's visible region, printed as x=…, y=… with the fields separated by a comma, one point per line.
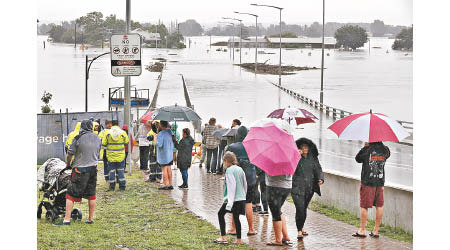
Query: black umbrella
x=231, y=132
x=176, y=113
x=219, y=133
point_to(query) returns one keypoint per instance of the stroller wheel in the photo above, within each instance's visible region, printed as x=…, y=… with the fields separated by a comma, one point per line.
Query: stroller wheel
x=76, y=214
x=51, y=215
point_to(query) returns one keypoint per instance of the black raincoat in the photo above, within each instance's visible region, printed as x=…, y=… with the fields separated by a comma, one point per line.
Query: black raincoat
x=308, y=172
x=184, y=156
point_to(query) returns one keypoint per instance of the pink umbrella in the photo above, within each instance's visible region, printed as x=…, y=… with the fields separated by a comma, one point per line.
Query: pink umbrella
x=300, y=115
x=368, y=127
x=147, y=117
x=272, y=150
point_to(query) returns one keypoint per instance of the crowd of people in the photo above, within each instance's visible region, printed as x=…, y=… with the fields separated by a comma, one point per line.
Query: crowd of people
x=246, y=187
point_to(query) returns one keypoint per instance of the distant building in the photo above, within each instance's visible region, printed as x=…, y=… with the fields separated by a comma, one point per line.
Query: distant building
x=301, y=42
x=249, y=42
x=147, y=37
x=274, y=42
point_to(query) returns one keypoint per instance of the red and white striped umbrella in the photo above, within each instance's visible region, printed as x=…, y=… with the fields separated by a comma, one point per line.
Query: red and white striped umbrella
x=369, y=127
x=300, y=115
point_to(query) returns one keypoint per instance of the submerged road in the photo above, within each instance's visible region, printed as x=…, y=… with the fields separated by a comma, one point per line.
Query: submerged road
x=226, y=92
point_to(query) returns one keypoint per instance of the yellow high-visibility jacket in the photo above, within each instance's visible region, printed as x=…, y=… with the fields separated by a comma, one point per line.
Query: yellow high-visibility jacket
x=101, y=135
x=114, y=142
x=93, y=127
x=154, y=140
x=72, y=134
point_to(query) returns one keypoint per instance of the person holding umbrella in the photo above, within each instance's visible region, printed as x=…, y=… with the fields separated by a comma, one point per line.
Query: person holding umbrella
x=307, y=179
x=373, y=157
x=185, y=155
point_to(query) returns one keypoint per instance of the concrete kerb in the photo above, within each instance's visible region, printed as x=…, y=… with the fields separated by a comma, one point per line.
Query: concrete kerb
x=398, y=200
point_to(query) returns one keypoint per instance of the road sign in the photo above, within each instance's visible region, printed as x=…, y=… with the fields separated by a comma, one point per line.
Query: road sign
x=126, y=55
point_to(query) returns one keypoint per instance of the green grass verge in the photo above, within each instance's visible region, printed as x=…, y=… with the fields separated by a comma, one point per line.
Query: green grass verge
x=139, y=218
x=344, y=216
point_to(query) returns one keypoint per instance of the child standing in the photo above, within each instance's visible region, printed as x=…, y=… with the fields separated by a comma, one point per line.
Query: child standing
x=234, y=196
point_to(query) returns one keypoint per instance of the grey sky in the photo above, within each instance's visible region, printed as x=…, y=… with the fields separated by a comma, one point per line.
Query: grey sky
x=207, y=12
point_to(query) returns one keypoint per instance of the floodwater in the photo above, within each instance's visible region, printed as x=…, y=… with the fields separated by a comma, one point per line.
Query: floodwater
x=353, y=81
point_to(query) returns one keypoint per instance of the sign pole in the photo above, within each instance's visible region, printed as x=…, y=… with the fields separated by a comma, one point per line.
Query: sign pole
x=127, y=84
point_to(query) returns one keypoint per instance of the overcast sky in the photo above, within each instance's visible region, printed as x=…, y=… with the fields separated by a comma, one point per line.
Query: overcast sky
x=208, y=12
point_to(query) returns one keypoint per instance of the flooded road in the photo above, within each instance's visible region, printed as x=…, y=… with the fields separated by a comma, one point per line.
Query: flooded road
x=354, y=81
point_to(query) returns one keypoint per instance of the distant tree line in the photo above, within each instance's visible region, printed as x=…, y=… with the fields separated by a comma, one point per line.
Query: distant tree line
x=377, y=28
x=93, y=28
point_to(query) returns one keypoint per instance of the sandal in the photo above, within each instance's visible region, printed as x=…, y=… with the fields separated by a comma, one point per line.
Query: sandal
x=223, y=242
x=250, y=234
x=305, y=233
x=359, y=235
x=234, y=234
x=274, y=243
x=374, y=235
x=300, y=237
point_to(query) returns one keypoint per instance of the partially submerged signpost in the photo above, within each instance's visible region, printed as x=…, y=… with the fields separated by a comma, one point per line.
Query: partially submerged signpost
x=126, y=62
x=126, y=55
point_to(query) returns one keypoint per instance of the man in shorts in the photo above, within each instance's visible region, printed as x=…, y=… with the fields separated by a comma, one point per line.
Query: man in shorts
x=373, y=157
x=86, y=149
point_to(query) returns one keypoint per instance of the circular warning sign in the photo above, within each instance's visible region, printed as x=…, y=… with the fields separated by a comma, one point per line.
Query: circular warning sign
x=125, y=50
x=135, y=50
x=116, y=50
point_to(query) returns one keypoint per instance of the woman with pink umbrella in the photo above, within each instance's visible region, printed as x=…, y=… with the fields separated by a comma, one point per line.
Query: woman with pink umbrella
x=274, y=151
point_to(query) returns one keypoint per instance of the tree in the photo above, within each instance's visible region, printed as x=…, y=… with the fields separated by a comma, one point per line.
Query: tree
x=56, y=33
x=378, y=28
x=284, y=34
x=190, y=28
x=174, y=40
x=404, y=40
x=350, y=36
x=315, y=30
x=46, y=97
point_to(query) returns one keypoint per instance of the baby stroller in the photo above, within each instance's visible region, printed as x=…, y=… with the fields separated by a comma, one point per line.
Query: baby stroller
x=53, y=179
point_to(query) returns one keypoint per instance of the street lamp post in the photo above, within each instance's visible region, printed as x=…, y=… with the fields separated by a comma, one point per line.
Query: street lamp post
x=240, y=37
x=323, y=48
x=256, y=37
x=231, y=24
x=86, y=78
x=280, y=9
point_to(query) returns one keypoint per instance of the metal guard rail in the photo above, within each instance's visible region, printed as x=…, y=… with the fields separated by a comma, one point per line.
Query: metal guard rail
x=335, y=112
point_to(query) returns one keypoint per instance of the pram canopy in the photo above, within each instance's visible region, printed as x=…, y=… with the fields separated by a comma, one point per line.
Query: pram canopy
x=49, y=172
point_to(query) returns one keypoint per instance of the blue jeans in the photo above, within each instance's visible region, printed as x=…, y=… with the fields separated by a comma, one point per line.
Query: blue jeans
x=184, y=174
x=118, y=167
x=211, y=163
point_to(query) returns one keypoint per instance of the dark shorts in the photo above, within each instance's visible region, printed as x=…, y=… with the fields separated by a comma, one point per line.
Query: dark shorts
x=238, y=207
x=371, y=196
x=83, y=184
x=250, y=193
x=276, y=198
x=165, y=165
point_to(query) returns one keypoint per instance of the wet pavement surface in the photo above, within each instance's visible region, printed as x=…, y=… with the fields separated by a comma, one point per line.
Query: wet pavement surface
x=204, y=199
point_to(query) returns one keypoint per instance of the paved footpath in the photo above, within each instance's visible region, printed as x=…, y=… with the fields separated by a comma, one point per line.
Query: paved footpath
x=204, y=198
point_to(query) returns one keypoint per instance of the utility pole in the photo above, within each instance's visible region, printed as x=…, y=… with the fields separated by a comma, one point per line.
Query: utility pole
x=256, y=38
x=323, y=48
x=127, y=84
x=75, y=45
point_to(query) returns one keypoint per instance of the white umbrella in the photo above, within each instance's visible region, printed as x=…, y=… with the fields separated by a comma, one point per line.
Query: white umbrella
x=281, y=124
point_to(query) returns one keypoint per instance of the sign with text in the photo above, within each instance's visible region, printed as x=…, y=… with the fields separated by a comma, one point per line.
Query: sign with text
x=126, y=55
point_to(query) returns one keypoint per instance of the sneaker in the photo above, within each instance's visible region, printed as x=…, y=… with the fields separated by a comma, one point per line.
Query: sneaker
x=208, y=172
x=186, y=187
x=170, y=187
x=62, y=223
x=122, y=189
x=90, y=222
x=181, y=186
x=163, y=188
